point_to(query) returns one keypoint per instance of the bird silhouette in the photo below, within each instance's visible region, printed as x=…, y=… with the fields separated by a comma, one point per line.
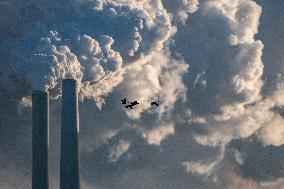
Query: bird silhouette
x=154, y=103
x=123, y=101
x=132, y=104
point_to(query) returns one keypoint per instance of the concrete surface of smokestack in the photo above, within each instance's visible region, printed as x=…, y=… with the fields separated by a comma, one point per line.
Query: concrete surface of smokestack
x=69, y=159
x=40, y=140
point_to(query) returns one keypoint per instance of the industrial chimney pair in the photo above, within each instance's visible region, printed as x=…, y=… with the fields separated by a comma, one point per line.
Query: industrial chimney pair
x=69, y=157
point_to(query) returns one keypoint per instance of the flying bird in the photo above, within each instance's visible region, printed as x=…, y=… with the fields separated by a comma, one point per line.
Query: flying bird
x=123, y=101
x=154, y=103
x=132, y=104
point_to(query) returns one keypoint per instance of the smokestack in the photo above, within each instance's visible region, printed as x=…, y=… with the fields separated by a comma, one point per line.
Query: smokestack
x=40, y=137
x=69, y=160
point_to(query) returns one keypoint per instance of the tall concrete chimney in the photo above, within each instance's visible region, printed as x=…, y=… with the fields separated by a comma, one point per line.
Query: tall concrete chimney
x=69, y=160
x=40, y=140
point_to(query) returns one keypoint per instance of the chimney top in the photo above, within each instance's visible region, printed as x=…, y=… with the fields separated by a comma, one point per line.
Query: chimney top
x=39, y=92
x=69, y=80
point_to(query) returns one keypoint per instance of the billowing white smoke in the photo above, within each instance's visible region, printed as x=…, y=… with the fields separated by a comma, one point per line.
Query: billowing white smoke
x=84, y=60
x=90, y=48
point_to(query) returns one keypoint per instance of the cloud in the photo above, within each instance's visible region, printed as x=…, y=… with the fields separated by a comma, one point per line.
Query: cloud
x=272, y=133
x=65, y=50
x=181, y=9
x=157, y=77
x=234, y=181
x=156, y=135
x=224, y=81
x=118, y=150
x=202, y=168
x=218, y=82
